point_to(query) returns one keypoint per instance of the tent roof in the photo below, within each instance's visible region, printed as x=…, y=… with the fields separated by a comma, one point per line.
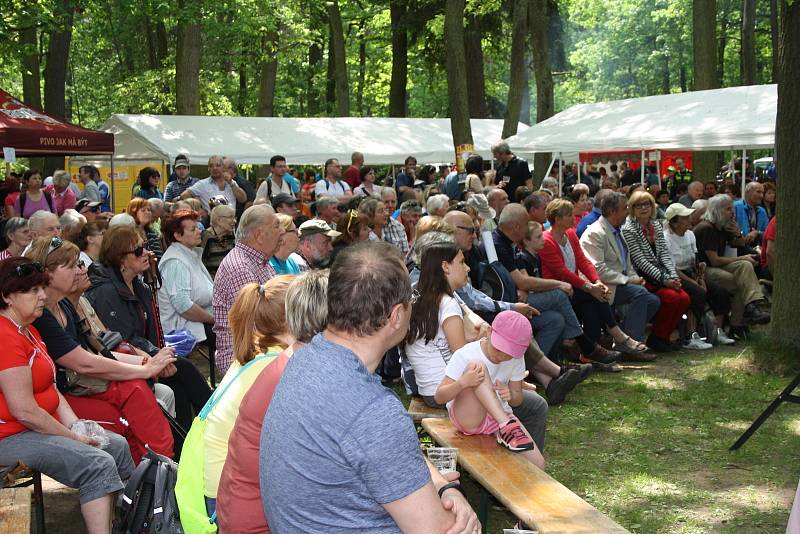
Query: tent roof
x=717, y=119
x=32, y=133
x=300, y=140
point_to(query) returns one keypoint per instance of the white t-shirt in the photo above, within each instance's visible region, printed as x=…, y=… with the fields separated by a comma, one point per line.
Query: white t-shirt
x=206, y=189
x=430, y=359
x=285, y=187
x=324, y=187
x=512, y=370
x=681, y=248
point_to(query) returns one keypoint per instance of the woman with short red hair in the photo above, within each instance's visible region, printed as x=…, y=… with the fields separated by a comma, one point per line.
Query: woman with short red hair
x=139, y=209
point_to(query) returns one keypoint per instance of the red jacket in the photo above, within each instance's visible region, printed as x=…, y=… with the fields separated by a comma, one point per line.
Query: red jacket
x=553, y=265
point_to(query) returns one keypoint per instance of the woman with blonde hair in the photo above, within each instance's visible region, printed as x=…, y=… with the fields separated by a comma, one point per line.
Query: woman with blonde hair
x=283, y=261
x=258, y=325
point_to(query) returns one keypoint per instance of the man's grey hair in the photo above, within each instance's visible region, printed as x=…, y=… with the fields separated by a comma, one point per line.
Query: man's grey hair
x=501, y=147
x=71, y=219
x=39, y=219
x=307, y=305
x=61, y=178
x=437, y=202
x=582, y=187
x=252, y=218
x=751, y=185
x=221, y=211
x=325, y=202
x=121, y=219
x=410, y=206
x=14, y=224
x=355, y=156
x=229, y=163
x=388, y=191
x=599, y=196
x=611, y=202
x=424, y=243
x=548, y=182
x=696, y=184
x=715, y=211
x=494, y=192
x=155, y=203
x=215, y=158
x=513, y=213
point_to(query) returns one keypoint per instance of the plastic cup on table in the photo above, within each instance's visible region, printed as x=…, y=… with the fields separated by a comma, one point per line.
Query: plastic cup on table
x=443, y=458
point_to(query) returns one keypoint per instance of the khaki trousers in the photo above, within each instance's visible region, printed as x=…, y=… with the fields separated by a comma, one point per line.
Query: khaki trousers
x=740, y=280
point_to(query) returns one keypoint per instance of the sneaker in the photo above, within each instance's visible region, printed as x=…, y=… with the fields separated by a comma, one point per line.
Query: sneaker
x=723, y=339
x=600, y=355
x=512, y=437
x=696, y=343
x=658, y=344
x=558, y=388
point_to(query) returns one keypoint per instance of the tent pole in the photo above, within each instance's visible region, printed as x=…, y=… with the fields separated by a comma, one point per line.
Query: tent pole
x=642, y=167
x=560, y=174
x=658, y=167
x=111, y=185
x=744, y=166
x=549, y=168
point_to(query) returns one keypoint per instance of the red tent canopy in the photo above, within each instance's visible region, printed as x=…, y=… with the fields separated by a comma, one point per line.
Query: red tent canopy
x=32, y=133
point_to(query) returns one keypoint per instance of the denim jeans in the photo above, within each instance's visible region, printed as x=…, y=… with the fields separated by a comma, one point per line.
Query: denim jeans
x=557, y=320
x=641, y=304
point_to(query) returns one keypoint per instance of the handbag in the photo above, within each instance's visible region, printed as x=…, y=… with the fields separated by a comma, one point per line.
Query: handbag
x=190, y=488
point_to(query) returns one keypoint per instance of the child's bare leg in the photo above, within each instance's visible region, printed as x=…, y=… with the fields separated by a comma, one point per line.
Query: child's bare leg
x=535, y=455
x=472, y=404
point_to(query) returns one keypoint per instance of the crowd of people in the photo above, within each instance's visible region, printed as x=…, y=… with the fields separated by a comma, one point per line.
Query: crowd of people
x=309, y=294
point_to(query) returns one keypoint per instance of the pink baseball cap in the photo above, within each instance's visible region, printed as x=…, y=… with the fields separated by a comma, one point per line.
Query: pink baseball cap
x=511, y=333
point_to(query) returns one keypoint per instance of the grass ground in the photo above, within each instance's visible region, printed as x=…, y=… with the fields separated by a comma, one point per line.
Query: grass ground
x=649, y=446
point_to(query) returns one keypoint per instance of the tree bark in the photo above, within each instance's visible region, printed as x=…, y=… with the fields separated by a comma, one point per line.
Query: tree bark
x=525, y=108
x=773, y=30
x=55, y=72
x=31, y=69
x=456, y=65
x=398, y=93
x=269, y=75
x=517, y=83
x=362, y=68
x=721, y=46
x=783, y=327
x=342, y=90
x=539, y=23
x=187, y=59
x=748, y=42
x=704, y=17
x=242, y=96
x=473, y=54
x=330, y=81
x=314, y=59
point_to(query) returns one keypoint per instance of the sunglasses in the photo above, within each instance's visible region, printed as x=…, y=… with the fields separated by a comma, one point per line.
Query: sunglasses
x=414, y=296
x=470, y=229
x=27, y=269
x=138, y=251
x=55, y=244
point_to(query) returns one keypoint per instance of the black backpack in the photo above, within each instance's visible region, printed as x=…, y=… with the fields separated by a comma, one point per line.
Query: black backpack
x=23, y=197
x=148, y=502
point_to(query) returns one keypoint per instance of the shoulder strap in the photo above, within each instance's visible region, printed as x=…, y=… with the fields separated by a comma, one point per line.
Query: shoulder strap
x=219, y=392
x=22, y=198
x=49, y=200
x=132, y=486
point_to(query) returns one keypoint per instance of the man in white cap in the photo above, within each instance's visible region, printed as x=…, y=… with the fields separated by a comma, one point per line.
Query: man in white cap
x=182, y=182
x=315, y=246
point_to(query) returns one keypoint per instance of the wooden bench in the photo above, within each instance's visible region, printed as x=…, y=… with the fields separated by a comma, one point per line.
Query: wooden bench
x=418, y=410
x=15, y=498
x=526, y=491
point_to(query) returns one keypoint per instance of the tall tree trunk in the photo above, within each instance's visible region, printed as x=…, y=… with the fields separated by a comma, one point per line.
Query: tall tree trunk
x=748, y=42
x=539, y=23
x=456, y=65
x=525, y=108
x=721, y=46
x=342, y=90
x=517, y=81
x=773, y=31
x=314, y=59
x=55, y=72
x=684, y=78
x=269, y=74
x=242, y=96
x=162, y=45
x=31, y=70
x=704, y=28
x=330, y=81
x=398, y=94
x=187, y=59
x=784, y=308
x=362, y=67
x=473, y=54
x=666, y=84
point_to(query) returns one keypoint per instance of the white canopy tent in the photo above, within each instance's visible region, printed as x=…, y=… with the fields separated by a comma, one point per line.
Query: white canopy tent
x=253, y=140
x=734, y=118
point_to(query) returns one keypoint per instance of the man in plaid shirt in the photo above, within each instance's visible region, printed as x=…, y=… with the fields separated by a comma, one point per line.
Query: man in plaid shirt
x=259, y=236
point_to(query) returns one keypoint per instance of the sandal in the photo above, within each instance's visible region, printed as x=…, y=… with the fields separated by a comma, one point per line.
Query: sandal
x=630, y=346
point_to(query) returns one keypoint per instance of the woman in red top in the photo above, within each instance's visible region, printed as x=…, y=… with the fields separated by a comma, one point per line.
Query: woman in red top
x=35, y=420
x=563, y=259
x=239, y=507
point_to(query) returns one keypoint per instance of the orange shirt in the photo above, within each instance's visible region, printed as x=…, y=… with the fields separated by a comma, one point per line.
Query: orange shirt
x=19, y=351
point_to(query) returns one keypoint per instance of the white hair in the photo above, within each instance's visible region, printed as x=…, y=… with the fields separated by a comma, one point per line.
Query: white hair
x=122, y=219
x=155, y=203
x=40, y=218
x=61, y=178
x=71, y=219
x=437, y=202
x=251, y=219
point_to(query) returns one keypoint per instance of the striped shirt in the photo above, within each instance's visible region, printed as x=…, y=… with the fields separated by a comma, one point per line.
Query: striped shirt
x=395, y=234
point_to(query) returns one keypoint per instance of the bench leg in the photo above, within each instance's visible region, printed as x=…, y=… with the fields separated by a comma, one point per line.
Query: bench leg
x=483, y=510
x=38, y=503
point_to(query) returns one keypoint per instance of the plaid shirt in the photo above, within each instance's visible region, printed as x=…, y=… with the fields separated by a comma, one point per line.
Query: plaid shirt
x=395, y=234
x=175, y=188
x=243, y=265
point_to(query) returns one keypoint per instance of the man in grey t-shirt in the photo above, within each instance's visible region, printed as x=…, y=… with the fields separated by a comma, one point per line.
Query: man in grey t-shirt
x=338, y=451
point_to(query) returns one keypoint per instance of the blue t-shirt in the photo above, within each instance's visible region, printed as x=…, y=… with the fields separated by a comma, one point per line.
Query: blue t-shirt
x=588, y=219
x=335, y=446
x=403, y=180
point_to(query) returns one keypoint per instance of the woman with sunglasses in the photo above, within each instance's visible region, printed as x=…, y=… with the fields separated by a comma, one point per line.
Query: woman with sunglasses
x=217, y=239
x=283, y=261
x=148, y=180
x=36, y=419
x=125, y=304
x=436, y=330
x=354, y=226
x=126, y=405
x=139, y=209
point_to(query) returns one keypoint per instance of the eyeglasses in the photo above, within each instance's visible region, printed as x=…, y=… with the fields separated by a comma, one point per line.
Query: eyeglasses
x=352, y=215
x=469, y=229
x=138, y=251
x=642, y=205
x=55, y=244
x=414, y=297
